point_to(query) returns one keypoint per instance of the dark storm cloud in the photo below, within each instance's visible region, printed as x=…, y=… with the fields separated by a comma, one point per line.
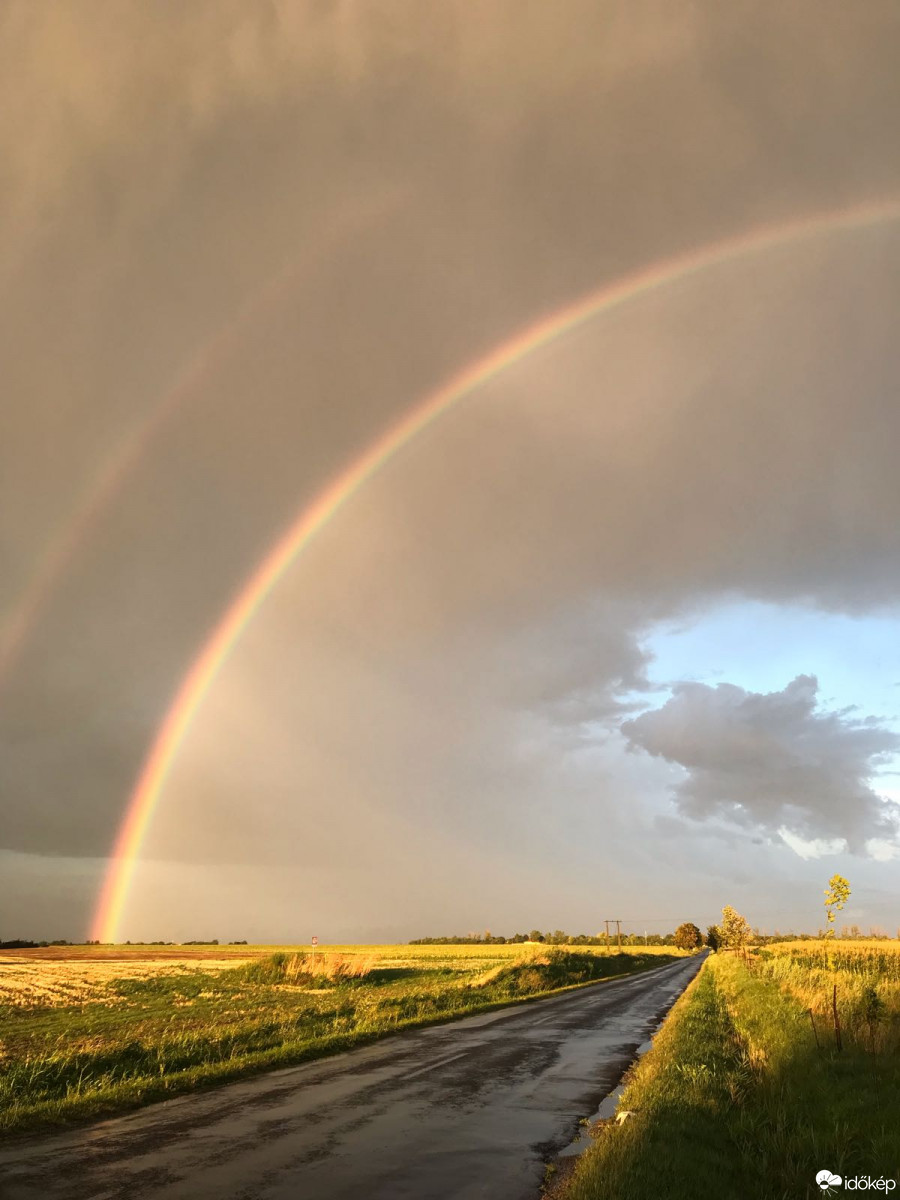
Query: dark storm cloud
x=435, y=179
x=773, y=760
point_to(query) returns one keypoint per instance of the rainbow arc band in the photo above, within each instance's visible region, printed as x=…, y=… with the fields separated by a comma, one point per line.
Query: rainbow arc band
x=348, y=482
x=87, y=509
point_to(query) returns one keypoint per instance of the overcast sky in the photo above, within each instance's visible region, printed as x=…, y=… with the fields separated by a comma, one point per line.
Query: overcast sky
x=617, y=637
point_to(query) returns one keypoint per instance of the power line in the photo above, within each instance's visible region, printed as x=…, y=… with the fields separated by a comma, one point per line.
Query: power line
x=658, y=920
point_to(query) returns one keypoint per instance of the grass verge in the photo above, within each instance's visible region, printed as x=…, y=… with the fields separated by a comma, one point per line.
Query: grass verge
x=736, y=1099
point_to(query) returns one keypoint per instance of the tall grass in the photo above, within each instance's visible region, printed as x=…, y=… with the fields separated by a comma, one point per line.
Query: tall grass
x=864, y=983
x=309, y=969
x=737, y=1099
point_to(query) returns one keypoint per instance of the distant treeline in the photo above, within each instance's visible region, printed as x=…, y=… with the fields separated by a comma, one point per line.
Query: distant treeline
x=192, y=942
x=24, y=944
x=559, y=938
x=846, y=933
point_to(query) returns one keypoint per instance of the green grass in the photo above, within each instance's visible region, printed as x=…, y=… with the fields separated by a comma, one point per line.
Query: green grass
x=147, y=1038
x=735, y=1099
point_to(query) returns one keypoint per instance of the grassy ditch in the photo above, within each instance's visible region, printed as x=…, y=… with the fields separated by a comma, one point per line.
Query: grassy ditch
x=148, y=1038
x=738, y=1099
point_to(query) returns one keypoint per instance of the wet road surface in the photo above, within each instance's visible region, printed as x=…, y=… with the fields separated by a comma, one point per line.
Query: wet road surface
x=460, y=1111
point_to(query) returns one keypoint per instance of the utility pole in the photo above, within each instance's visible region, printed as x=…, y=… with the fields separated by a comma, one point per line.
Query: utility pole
x=606, y=923
x=618, y=936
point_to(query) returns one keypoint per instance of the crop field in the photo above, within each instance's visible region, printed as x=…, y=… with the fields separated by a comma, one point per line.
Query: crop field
x=69, y=975
x=88, y=1030
x=862, y=981
x=753, y=1079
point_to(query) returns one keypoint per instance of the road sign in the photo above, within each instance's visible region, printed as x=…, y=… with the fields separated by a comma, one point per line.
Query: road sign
x=315, y=940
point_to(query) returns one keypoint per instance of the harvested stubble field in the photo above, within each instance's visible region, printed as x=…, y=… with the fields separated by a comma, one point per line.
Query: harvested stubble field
x=89, y=1030
x=52, y=983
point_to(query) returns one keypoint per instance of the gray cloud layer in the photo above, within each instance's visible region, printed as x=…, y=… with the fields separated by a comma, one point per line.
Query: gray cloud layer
x=429, y=181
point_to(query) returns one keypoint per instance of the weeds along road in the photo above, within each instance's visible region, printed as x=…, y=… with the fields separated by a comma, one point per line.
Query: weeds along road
x=454, y=1112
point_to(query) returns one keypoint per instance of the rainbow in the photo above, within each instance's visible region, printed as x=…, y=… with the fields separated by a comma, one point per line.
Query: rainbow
x=107, y=482
x=344, y=486
x=88, y=508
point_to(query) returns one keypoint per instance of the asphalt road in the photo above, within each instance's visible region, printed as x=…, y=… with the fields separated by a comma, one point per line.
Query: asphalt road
x=466, y=1110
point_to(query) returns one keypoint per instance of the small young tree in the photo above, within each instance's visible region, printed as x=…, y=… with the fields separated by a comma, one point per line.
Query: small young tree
x=713, y=937
x=735, y=929
x=688, y=936
x=836, y=896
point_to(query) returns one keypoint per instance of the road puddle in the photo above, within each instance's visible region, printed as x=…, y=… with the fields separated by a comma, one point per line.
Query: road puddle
x=609, y=1104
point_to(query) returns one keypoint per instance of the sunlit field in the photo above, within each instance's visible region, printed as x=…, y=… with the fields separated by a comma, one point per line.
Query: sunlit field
x=755, y=1051
x=87, y=1030
x=862, y=980
x=59, y=975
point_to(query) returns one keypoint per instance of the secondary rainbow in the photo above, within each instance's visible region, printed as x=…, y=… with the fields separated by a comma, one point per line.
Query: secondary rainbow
x=345, y=485
x=86, y=511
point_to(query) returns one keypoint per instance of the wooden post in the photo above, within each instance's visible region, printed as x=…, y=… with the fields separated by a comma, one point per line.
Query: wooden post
x=606, y=923
x=618, y=936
